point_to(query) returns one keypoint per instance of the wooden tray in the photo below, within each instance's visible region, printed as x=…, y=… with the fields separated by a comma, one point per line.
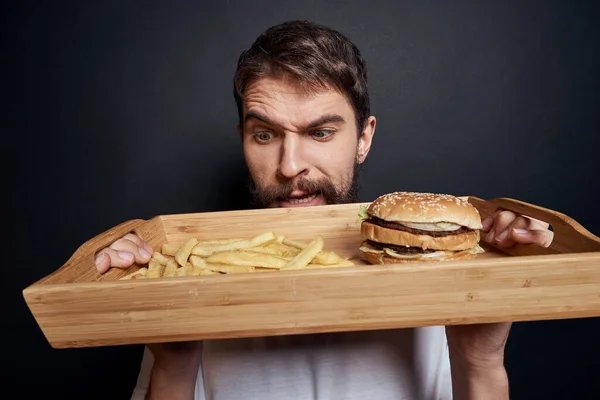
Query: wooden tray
x=77, y=307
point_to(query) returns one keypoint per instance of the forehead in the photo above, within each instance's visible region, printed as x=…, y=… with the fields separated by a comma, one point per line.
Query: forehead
x=286, y=99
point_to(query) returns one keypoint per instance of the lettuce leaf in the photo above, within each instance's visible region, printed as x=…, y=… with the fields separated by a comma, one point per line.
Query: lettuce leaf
x=363, y=214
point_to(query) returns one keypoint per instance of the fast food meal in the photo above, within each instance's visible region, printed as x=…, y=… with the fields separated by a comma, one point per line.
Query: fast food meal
x=262, y=253
x=417, y=227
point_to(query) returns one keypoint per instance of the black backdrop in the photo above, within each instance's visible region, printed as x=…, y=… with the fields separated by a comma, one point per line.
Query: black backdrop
x=116, y=110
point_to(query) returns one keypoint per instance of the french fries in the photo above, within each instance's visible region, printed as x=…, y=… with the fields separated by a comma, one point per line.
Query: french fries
x=184, y=251
x=306, y=255
x=171, y=268
x=155, y=269
x=265, y=252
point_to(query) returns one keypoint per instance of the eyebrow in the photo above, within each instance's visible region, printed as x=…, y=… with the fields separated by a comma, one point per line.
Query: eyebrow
x=324, y=119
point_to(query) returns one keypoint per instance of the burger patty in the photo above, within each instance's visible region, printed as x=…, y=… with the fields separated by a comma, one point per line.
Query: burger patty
x=400, y=227
x=399, y=249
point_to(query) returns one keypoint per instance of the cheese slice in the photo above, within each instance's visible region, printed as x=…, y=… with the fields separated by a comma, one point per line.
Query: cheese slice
x=434, y=227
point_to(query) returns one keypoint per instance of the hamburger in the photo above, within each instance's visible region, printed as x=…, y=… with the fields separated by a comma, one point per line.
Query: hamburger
x=418, y=227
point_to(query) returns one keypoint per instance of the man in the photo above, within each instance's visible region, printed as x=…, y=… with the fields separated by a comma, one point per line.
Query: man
x=305, y=127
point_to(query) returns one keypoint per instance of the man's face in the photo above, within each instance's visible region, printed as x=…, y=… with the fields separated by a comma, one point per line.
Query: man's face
x=301, y=149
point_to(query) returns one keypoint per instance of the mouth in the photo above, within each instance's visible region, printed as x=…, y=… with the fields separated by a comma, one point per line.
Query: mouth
x=301, y=200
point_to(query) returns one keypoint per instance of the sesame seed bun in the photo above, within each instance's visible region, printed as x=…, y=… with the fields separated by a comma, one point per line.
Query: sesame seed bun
x=425, y=208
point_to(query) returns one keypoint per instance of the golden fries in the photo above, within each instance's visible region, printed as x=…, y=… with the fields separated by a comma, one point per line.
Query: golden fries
x=170, y=249
x=247, y=259
x=326, y=258
x=265, y=252
x=184, y=251
x=259, y=240
x=155, y=269
x=306, y=255
x=171, y=268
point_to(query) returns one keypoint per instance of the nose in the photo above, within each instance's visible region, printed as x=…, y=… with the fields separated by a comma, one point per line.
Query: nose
x=293, y=161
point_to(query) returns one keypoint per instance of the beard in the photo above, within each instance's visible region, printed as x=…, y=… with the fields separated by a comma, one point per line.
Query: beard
x=347, y=192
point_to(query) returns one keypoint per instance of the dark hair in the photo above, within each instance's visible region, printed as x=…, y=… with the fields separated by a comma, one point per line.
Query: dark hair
x=313, y=55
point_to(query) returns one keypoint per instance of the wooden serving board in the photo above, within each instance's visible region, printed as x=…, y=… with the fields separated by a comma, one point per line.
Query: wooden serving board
x=77, y=307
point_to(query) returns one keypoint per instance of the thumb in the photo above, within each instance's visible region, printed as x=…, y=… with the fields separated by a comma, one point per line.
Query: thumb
x=542, y=237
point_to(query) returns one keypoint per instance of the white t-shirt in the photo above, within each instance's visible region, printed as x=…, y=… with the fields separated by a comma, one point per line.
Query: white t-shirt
x=370, y=365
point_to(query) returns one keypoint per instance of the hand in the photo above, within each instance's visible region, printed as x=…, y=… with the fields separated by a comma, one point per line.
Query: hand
x=477, y=351
x=505, y=229
x=123, y=252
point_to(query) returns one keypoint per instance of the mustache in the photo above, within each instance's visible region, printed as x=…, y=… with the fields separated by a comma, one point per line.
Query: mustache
x=272, y=193
x=266, y=196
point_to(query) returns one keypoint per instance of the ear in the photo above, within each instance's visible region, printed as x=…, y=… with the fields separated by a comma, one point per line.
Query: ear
x=365, y=139
x=240, y=132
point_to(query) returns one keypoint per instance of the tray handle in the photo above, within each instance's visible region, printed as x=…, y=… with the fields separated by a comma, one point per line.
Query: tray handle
x=81, y=267
x=569, y=235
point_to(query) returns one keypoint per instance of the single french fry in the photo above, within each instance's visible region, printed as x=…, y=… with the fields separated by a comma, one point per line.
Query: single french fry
x=247, y=259
x=260, y=269
x=326, y=258
x=306, y=255
x=277, y=249
x=197, y=270
x=218, y=241
x=189, y=269
x=155, y=269
x=197, y=261
x=171, y=268
x=294, y=243
x=208, y=272
x=229, y=269
x=184, y=251
x=259, y=240
x=162, y=259
x=170, y=249
x=140, y=273
x=341, y=263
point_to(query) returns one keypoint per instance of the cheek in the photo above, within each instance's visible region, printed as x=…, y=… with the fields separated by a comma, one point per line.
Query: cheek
x=338, y=158
x=261, y=163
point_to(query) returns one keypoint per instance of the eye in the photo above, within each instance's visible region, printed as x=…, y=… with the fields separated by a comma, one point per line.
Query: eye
x=262, y=137
x=322, y=134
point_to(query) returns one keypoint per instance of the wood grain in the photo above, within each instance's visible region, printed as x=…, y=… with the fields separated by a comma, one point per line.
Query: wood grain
x=292, y=302
x=75, y=307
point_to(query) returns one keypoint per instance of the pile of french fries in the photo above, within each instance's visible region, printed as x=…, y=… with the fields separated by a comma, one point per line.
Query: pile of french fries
x=265, y=252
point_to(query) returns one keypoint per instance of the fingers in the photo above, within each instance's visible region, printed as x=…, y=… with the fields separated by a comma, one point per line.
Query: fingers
x=500, y=222
x=503, y=237
x=123, y=253
x=108, y=257
x=102, y=262
x=488, y=222
x=543, y=237
x=505, y=229
x=133, y=244
x=537, y=224
x=139, y=242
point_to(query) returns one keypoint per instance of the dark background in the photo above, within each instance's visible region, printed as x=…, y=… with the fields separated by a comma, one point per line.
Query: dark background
x=117, y=110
